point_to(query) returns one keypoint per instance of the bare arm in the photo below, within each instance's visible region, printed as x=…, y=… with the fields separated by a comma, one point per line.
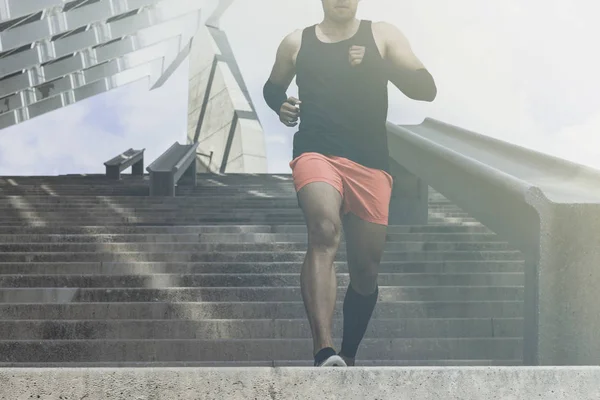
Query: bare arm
x=404, y=69
x=284, y=70
x=281, y=77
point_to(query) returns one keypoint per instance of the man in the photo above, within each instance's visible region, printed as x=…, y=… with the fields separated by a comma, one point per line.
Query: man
x=340, y=157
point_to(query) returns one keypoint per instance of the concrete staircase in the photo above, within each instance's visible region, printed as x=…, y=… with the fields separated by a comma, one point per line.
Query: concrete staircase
x=95, y=273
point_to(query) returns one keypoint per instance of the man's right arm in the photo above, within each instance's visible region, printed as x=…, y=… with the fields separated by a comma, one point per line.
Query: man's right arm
x=281, y=77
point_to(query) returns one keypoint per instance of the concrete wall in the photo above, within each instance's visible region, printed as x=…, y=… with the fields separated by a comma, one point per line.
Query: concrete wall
x=546, y=207
x=569, y=284
x=221, y=116
x=301, y=383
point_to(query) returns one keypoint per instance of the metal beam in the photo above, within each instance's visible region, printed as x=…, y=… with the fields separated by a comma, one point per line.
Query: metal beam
x=142, y=45
x=215, y=18
x=147, y=27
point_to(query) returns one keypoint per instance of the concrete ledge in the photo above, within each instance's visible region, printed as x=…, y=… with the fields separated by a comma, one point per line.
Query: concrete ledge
x=556, y=383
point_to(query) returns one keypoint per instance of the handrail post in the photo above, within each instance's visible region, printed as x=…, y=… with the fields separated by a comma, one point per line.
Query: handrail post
x=175, y=164
x=190, y=176
x=113, y=172
x=137, y=169
x=130, y=158
x=162, y=184
x=409, y=204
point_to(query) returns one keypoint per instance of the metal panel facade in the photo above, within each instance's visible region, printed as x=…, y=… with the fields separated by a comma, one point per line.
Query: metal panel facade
x=56, y=52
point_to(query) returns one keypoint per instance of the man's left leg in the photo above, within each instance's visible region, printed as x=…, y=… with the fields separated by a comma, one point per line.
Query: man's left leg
x=365, y=210
x=365, y=242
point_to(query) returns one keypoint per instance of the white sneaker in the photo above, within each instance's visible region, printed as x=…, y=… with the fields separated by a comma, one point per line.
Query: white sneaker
x=333, y=361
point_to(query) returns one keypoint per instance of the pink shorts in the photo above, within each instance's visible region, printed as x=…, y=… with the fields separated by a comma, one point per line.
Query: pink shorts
x=366, y=192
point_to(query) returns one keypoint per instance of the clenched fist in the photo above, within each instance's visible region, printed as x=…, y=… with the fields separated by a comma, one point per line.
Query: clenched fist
x=290, y=111
x=356, y=55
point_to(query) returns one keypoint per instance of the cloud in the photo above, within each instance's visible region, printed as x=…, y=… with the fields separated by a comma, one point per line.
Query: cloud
x=524, y=72
x=579, y=143
x=79, y=138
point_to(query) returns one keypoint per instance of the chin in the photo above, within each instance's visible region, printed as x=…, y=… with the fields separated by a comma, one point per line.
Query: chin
x=343, y=17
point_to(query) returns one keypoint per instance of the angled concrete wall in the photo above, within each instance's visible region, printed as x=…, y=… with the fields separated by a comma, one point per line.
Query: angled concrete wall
x=221, y=116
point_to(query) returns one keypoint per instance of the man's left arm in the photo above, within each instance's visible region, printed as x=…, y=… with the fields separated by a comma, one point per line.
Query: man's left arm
x=403, y=67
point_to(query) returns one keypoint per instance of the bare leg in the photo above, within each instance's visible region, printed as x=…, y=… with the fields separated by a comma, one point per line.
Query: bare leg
x=365, y=243
x=320, y=203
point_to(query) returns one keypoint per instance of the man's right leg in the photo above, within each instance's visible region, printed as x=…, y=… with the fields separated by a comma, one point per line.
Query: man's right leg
x=320, y=203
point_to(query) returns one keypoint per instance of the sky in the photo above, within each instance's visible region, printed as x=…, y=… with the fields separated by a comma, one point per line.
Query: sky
x=526, y=72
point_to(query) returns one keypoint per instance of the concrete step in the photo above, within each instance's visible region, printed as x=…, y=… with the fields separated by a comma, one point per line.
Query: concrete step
x=116, y=210
x=111, y=214
x=107, y=212
x=174, y=213
x=250, y=349
x=156, y=217
x=201, y=184
x=225, y=220
x=144, y=203
x=448, y=214
x=138, y=201
x=136, y=229
x=142, y=189
x=232, y=238
x=159, y=281
x=143, y=193
x=148, y=268
x=257, y=329
x=64, y=226
x=254, y=256
x=212, y=229
x=216, y=178
x=253, y=310
x=40, y=220
x=70, y=183
x=451, y=383
x=273, y=293
x=450, y=220
x=252, y=365
x=199, y=200
x=77, y=191
x=302, y=237
x=156, y=247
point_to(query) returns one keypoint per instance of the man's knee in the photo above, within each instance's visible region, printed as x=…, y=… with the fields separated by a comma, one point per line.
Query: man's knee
x=364, y=281
x=324, y=233
x=364, y=270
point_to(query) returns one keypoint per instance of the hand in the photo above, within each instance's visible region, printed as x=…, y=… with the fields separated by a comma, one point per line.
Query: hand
x=356, y=55
x=290, y=111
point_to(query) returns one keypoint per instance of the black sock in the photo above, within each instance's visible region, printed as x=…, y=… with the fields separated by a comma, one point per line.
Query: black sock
x=323, y=355
x=357, y=314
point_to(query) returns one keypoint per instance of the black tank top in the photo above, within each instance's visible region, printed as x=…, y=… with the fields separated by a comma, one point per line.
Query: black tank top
x=344, y=108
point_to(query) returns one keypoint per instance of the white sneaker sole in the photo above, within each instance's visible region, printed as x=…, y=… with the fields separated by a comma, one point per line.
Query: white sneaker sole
x=334, y=361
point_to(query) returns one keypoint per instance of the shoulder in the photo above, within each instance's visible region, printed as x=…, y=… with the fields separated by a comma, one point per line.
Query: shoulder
x=292, y=41
x=387, y=31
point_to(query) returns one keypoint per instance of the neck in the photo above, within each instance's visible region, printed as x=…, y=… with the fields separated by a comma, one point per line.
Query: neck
x=339, y=28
